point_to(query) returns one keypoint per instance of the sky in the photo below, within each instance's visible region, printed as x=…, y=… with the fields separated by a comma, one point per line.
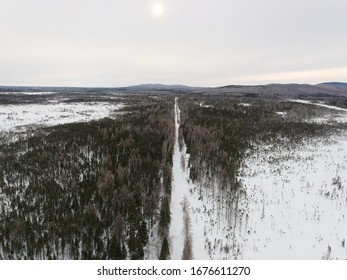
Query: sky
x=110, y=43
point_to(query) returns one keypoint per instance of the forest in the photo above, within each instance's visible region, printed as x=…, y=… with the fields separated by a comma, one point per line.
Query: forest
x=101, y=189
x=87, y=190
x=219, y=130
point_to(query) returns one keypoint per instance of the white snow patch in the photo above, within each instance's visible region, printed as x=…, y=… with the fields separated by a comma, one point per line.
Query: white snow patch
x=319, y=104
x=28, y=93
x=339, y=116
x=297, y=202
x=16, y=117
x=202, y=105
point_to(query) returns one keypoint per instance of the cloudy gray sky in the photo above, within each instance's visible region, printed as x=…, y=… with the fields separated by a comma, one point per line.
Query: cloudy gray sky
x=193, y=42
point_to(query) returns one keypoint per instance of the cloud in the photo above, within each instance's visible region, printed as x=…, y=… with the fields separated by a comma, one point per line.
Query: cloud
x=202, y=42
x=313, y=76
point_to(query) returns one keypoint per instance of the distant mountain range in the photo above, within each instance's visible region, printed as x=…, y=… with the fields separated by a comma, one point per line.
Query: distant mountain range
x=326, y=90
x=323, y=90
x=136, y=88
x=161, y=87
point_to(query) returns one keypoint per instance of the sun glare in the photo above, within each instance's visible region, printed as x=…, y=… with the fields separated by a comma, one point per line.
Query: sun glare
x=157, y=9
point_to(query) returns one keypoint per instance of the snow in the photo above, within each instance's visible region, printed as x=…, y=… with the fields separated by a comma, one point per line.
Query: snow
x=295, y=210
x=16, y=117
x=153, y=247
x=292, y=203
x=297, y=200
x=319, y=104
x=181, y=189
x=28, y=93
x=338, y=114
x=202, y=105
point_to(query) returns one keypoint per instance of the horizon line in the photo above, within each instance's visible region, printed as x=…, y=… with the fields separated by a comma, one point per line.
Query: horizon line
x=166, y=85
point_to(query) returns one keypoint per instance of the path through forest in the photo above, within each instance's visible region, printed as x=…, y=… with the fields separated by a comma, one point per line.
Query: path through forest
x=186, y=225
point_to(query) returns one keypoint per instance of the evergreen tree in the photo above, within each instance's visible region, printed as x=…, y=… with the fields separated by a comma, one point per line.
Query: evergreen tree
x=165, y=215
x=165, y=250
x=143, y=233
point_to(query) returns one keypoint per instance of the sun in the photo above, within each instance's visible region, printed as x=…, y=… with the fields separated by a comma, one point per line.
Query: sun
x=157, y=9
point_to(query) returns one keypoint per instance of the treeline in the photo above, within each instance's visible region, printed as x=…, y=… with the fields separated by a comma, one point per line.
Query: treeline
x=88, y=190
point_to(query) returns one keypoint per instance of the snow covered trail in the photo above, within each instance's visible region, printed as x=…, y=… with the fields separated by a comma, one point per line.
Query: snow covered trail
x=181, y=191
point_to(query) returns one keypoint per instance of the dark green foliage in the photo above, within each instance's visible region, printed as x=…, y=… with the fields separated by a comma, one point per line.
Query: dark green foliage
x=143, y=233
x=116, y=252
x=86, y=190
x=165, y=215
x=165, y=250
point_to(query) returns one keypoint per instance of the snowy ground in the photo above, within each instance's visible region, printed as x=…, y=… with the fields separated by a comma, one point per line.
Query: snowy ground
x=338, y=115
x=29, y=93
x=297, y=199
x=17, y=117
x=181, y=189
x=292, y=204
x=297, y=203
x=319, y=104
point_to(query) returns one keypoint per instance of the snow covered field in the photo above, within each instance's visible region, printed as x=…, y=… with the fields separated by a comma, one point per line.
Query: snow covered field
x=297, y=199
x=16, y=117
x=292, y=204
x=29, y=93
x=297, y=203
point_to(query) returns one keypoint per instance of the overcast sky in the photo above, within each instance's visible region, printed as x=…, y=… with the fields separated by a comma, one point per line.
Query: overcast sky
x=193, y=42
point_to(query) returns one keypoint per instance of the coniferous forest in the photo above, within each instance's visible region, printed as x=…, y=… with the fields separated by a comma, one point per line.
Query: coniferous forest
x=87, y=190
x=101, y=189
